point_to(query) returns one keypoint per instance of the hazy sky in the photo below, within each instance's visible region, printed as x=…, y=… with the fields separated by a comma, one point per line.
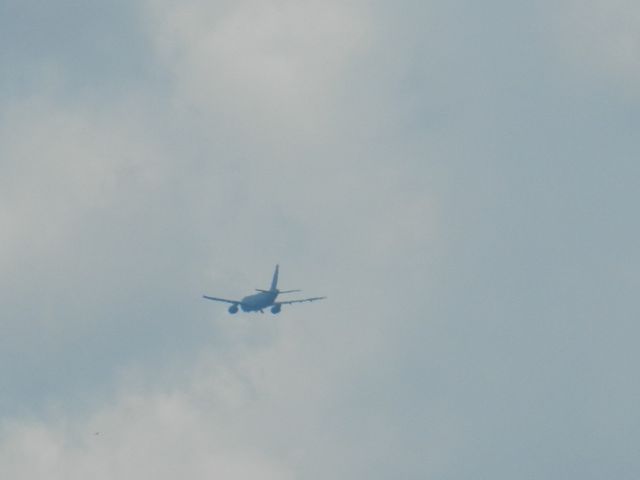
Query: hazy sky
x=459, y=178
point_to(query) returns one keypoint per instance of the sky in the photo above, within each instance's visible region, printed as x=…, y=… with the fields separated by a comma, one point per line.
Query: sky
x=460, y=179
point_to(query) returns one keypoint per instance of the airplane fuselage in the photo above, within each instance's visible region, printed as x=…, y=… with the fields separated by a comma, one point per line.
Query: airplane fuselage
x=258, y=301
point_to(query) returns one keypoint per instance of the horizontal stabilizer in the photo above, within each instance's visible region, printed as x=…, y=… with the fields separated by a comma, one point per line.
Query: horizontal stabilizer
x=279, y=291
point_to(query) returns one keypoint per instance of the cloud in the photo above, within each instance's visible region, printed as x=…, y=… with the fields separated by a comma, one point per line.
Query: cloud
x=261, y=65
x=600, y=39
x=122, y=213
x=275, y=411
x=272, y=86
x=403, y=161
x=67, y=162
x=141, y=437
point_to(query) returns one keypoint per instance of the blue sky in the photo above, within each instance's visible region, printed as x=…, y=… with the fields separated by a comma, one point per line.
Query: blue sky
x=459, y=179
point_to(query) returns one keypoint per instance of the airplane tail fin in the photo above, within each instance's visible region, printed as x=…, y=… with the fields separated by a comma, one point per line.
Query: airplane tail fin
x=274, y=281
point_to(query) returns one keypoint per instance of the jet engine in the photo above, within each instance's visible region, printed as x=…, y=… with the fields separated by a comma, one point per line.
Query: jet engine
x=276, y=309
x=233, y=309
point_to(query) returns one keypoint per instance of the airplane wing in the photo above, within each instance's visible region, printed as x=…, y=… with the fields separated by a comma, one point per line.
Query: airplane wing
x=235, y=302
x=288, y=302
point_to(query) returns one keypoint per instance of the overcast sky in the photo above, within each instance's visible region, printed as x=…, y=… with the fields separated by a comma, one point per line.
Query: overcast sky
x=460, y=179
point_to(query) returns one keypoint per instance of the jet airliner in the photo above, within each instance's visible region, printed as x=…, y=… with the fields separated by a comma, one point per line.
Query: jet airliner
x=263, y=299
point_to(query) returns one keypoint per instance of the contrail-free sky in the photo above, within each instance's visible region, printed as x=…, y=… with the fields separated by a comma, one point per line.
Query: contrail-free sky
x=459, y=178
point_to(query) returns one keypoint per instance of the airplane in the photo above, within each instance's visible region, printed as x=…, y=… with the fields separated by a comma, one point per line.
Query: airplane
x=264, y=299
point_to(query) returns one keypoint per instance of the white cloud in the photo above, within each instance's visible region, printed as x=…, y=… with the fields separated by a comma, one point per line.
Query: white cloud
x=270, y=83
x=260, y=65
x=601, y=39
x=62, y=163
x=268, y=136
x=153, y=436
x=259, y=87
x=277, y=411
